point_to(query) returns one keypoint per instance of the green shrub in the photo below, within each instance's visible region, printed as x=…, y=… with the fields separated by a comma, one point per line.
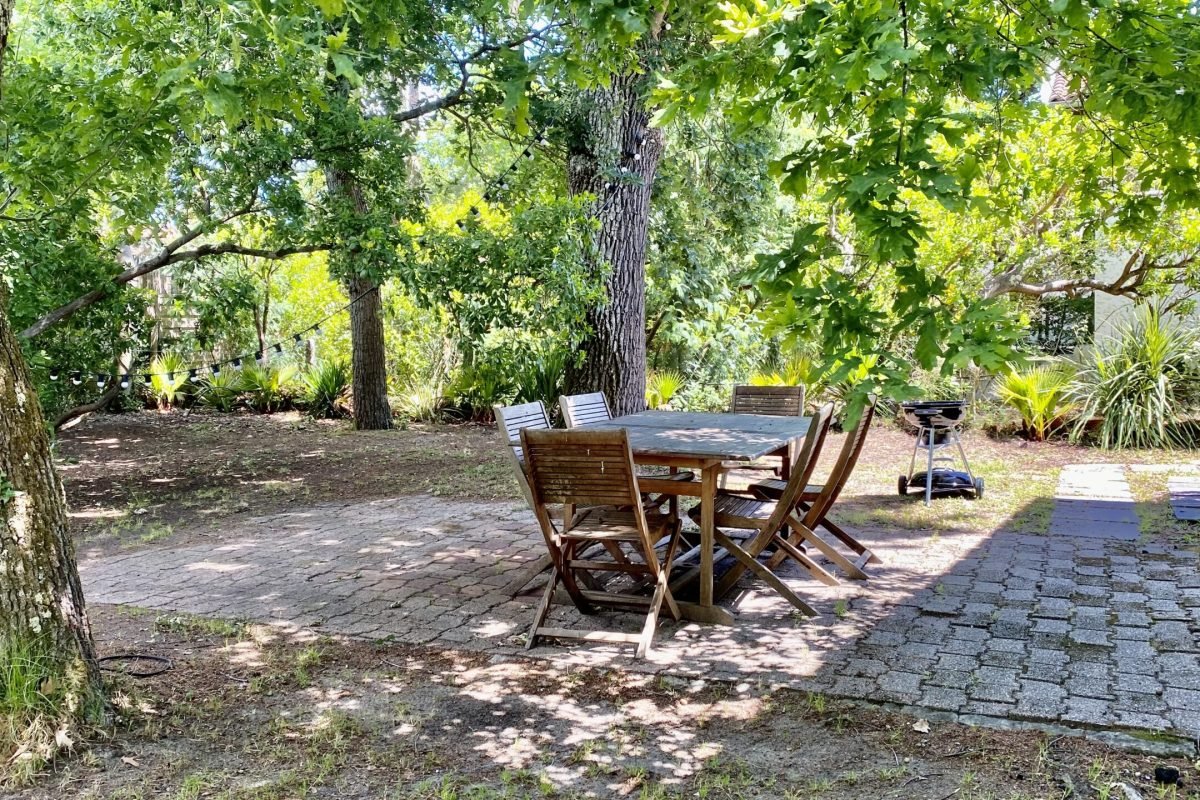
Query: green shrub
x=220, y=391
x=661, y=388
x=327, y=385
x=799, y=370
x=421, y=402
x=1140, y=383
x=482, y=385
x=1041, y=395
x=168, y=376
x=267, y=386
x=541, y=376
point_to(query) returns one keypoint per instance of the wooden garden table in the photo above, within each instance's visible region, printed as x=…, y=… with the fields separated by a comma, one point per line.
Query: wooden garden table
x=703, y=442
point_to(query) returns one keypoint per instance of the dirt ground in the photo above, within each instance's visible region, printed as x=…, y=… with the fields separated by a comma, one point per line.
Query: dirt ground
x=249, y=712
x=253, y=713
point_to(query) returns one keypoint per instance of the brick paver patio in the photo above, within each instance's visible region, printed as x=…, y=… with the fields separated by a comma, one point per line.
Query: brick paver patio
x=997, y=628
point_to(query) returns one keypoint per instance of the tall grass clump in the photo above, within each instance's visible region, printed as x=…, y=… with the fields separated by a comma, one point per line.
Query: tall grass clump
x=1136, y=387
x=220, y=392
x=1041, y=395
x=266, y=386
x=327, y=385
x=41, y=706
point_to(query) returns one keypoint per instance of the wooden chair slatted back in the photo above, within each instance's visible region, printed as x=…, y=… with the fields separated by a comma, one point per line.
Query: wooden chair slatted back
x=784, y=401
x=847, y=458
x=511, y=420
x=803, y=466
x=583, y=468
x=580, y=409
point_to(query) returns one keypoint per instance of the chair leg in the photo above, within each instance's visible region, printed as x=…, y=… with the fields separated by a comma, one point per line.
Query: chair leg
x=761, y=571
x=810, y=538
x=785, y=549
x=849, y=541
x=543, y=609
x=568, y=579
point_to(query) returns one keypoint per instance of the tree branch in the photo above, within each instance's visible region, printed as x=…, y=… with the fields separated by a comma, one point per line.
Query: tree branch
x=458, y=94
x=169, y=254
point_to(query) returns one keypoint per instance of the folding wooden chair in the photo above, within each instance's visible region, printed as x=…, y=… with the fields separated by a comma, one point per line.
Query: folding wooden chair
x=816, y=501
x=592, y=472
x=510, y=420
x=770, y=520
x=581, y=409
x=783, y=401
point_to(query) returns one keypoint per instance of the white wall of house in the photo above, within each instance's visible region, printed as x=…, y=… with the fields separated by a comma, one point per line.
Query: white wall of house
x=1110, y=310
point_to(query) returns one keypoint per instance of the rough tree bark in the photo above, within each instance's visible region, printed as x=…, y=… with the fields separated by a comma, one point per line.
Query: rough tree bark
x=368, y=356
x=616, y=121
x=41, y=599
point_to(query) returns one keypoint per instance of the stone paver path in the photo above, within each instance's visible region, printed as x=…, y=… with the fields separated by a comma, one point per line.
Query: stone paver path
x=984, y=628
x=1094, y=501
x=1185, y=497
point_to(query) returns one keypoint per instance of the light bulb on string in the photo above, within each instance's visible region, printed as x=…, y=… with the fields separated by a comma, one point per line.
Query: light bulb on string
x=191, y=374
x=171, y=377
x=277, y=347
x=54, y=374
x=101, y=379
x=528, y=153
x=236, y=363
x=259, y=356
x=215, y=369
x=76, y=378
x=297, y=338
x=125, y=381
x=147, y=377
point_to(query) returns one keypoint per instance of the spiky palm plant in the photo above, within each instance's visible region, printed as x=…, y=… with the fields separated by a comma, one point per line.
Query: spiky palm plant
x=1041, y=395
x=661, y=388
x=1140, y=384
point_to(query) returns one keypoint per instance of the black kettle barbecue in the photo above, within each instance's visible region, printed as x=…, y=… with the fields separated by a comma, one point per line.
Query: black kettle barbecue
x=938, y=424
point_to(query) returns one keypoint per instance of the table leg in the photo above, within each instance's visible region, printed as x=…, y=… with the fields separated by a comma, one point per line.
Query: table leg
x=708, y=500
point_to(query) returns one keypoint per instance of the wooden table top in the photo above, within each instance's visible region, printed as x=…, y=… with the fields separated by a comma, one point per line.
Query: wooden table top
x=686, y=434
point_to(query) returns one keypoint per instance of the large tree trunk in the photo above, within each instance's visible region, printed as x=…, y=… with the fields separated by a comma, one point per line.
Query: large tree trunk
x=42, y=615
x=368, y=355
x=615, y=120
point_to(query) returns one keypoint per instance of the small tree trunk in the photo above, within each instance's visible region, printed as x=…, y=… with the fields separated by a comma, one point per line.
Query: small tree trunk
x=368, y=356
x=616, y=120
x=42, y=614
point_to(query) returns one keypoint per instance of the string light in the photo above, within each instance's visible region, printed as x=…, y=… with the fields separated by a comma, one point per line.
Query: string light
x=216, y=369
x=101, y=379
x=277, y=347
x=125, y=381
x=76, y=377
x=54, y=374
x=259, y=356
x=236, y=363
x=297, y=338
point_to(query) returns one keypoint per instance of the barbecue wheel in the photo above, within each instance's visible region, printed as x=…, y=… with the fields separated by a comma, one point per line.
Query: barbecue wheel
x=902, y=486
x=978, y=488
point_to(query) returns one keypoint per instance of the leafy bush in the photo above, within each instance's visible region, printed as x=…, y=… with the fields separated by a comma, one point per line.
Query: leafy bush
x=267, y=386
x=800, y=370
x=482, y=385
x=168, y=377
x=1041, y=395
x=220, y=391
x=327, y=386
x=540, y=378
x=661, y=388
x=1140, y=383
x=421, y=403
